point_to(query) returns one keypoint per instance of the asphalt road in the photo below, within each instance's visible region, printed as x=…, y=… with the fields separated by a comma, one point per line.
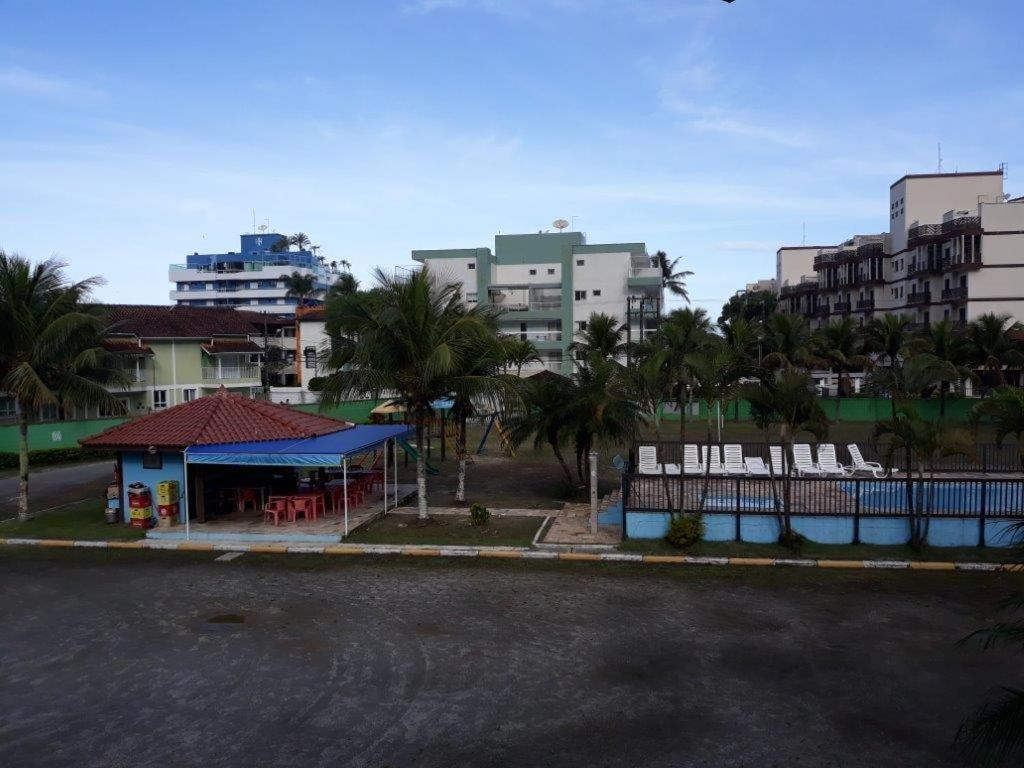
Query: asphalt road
x=170, y=660
x=50, y=486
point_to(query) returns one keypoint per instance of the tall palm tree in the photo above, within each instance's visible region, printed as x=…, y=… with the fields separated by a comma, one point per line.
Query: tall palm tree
x=911, y=377
x=673, y=279
x=944, y=342
x=302, y=287
x=602, y=336
x=990, y=345
x=548, y=416
x=346, y=283
x=51, y=352
x=519, y=352
x=414, y=339
x=300, y=240
x=650, y=379
x=682, y=333
x=743, y=338
x=1005, y=407
x=788, y=339
x=714, y=377
x=888, y=337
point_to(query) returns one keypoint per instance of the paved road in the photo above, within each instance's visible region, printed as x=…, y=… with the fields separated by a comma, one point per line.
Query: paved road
x=415, y=664
x=50, y=486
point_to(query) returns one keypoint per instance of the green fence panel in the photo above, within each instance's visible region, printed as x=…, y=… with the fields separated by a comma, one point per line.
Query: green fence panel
x=854, y=409
x=356, y=411
x=53, y=434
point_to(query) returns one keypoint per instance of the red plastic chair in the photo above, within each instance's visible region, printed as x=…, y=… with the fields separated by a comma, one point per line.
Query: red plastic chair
x=277, y=509
x=247, y=496
x=301, y=504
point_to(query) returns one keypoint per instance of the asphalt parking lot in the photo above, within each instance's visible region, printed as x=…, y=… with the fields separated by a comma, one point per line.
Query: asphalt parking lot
x=158, y=659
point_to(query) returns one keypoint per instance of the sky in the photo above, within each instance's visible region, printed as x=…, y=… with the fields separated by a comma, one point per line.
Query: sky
x=132, y=134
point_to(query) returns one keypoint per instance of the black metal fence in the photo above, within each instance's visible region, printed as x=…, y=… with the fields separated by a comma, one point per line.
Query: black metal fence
x=987, y=457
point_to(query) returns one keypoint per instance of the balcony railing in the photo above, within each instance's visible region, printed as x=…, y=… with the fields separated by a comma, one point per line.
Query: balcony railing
x=960, y=224
x=919, y=297
x=213, y=372
x=870, y=249
x=821, y=310
x=959, y=293
x=924, y=267
x=841, y=306
x=922, y=231
x=959, y=263
x=846, y=253
x=863, y=304
x=864, y=278
x=537, y=335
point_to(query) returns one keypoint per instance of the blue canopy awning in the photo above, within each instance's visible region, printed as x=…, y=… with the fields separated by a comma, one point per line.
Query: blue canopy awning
x=323, y=451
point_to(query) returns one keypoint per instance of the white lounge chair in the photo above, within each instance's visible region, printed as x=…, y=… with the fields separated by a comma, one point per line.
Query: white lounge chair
x=672, y=469
x=778, y=465
x=827, y=461
x=712, y=461
x=756, y=467
x=734, y=459
x=647, y=456
x=802, y=461
x=691, y=461
x=872, y=467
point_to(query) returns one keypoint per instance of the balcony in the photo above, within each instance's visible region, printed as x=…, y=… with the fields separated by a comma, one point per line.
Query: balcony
x=867, y=250
x=958, y=293
x=866, y=304
x=821, y=311
x=959, y=264
x=846, y=253
x=536, y=336
x=804, y=286
x=230, y=372
x=864, y=278
x=919, y=297
x=841, y=307
x=825, y=259
x=923, y=233
x=961, y=225
x=924, y=267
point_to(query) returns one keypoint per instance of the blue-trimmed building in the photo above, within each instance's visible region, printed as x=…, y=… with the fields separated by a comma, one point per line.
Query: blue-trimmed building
x=253, y=278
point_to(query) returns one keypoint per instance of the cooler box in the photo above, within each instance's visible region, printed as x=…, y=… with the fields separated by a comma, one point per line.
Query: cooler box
x=167, y=492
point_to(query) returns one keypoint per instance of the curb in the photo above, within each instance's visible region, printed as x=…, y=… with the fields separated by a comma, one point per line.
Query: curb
x=510, y=553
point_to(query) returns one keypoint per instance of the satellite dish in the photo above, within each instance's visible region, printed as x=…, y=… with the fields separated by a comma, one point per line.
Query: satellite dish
x=560, y=224
x=262, y=227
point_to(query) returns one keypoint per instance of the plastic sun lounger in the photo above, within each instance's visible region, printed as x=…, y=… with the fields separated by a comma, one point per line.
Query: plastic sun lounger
x=827, y=461
x=647, y=456
x=712, y=461
x=756, y=467
x=691, y=461
x=802, y=461
x=777, y=464
x=734, y=460
x=872, y=467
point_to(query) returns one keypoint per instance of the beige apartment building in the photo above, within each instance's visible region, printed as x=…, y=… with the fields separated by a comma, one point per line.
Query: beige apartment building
x=954, y=249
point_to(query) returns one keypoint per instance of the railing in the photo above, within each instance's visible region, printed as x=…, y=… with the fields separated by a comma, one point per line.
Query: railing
x=644, y=271
x=863, y=278
x=924, y=230
x=961, y=263
x=536, y=335
x=924, y=267
x=960, y=224
x=555, y=366
x=846, y=253
x=919, y=297
x=212, y=372
x=841, y=306
x=821, y=310
x=870, y=249
x=955, y=294
x=866, y=303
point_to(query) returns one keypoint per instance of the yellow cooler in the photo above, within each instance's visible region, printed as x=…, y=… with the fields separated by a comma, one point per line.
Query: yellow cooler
x=167, y=492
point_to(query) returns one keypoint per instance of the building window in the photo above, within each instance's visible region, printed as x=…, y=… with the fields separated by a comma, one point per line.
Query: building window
x=152, y=461
x=309, y=356
x=533, y=271
x=597, y=292
x=471, y=265
x=188, y=395
x=159, y=398
x=551, y=271
x=581, y=325
x=581, y=295
x=579, y=262
x=7, y=408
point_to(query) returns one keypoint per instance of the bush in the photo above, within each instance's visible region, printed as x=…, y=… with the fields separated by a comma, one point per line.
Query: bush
x=479, y=514
x=791, y=540
x=48, y=456
x=685, y=530
x=316, y=384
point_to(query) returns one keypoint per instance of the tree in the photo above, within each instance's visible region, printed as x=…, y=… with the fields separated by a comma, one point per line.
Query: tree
x=788, y=339
x=943, y=342
x=682, y=333
x=51, y=352
x=280, y=245
x=303, y=287
x=602, y=336
x=910, y=377
x=344, y=284
x=1005, y=407
x=673, y=279
x=840, y=345
x=519, y=352
x=924, y=443
x=743, y=339
x=887, y=337
x=650, y=379
x=752, y=305
x=713, y=376
x=300, y=240
x=414, y=339
x=990, y=344
x=789, y=402
x=548, y=416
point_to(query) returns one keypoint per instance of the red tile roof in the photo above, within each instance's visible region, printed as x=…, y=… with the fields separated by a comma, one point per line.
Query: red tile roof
x=218, y=418
x=220, y=346
x=158, y=321
x=127, y=347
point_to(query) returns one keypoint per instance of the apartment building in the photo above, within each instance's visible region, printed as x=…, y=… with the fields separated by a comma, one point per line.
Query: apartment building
x=954, y=249
x=546, y=285
x=253, y=278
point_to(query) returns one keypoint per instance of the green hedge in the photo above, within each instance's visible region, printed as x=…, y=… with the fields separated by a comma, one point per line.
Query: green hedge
x=48, y=456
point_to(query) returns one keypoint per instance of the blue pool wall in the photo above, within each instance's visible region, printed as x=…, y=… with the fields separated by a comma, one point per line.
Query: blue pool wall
x=833, y=529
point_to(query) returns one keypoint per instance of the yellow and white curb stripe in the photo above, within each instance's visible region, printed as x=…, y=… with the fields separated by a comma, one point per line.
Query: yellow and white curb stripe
x=509, y=553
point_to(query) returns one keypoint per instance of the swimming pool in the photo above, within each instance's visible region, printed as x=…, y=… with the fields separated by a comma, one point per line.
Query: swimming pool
x=1000, y=498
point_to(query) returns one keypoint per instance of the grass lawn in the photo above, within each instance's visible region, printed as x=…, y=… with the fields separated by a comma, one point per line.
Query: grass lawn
x=449, y=530
x=823, y=551
x=81, y=520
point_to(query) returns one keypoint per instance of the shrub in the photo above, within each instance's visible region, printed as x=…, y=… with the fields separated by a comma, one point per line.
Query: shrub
x=791, y=540
x=48, y=456
x=685, y=530
x=316, y=384
x=479, y=514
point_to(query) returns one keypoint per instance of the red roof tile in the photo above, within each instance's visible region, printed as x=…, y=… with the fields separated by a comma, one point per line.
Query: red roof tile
x=218, y=418
x=127, y=347
x=158, y=321
x=220, y=346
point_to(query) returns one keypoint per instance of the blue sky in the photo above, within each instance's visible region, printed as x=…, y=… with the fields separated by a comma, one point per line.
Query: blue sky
x=134, y=133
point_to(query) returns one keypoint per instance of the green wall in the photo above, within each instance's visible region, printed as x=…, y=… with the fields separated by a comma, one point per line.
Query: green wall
x=867, y=409
x=53, y=434
x=357, y=411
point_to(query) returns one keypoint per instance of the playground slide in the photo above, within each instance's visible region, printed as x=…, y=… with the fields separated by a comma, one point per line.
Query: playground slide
x=431, y=470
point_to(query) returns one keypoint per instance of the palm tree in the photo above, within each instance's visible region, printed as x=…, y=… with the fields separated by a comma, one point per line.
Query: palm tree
x=519, y=352
x=743, y=339
x=942, y=340
x=672, y=278
x=51, y=352
x=840, y=345
x=910, y=377
x=1005, y=407
x=789, y=402
x=990, y=346
x=345, y=284
x=924, y=443
x=713, y=376
x=280, y=245
x=682, y=333
x=414, y=339
x=303, y=287
x=602, y=336
x=888, y=337
x=548, y=416
x=788, y=339
x=300, y=240
x=651, y=380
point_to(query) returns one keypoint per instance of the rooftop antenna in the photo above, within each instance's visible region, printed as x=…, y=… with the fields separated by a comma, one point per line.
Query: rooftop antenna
x=254, y=220
x=262, y=228
x=940, y=158
x=560, y=224
x=1005, y=168
x=803, y=236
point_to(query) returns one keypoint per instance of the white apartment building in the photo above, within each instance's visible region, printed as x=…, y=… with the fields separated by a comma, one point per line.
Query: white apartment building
x=954, y=249
x=547, y=285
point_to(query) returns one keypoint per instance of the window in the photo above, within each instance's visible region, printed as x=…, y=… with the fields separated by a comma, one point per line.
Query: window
x=152, y=461
x=309, y=357
x=188, y=395
x=581, y=295
x=579, y=262
x=159, y=398
x=7, y=409
x=49, y=412
x=533, y=271
x=597, y=292
x=551, y=271
x=471, y=265
x=581, y=325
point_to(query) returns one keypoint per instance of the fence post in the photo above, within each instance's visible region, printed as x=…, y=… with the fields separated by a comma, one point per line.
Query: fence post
x=856, y=512
x=738, y=517
x=625, y=503
x=981, y=519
